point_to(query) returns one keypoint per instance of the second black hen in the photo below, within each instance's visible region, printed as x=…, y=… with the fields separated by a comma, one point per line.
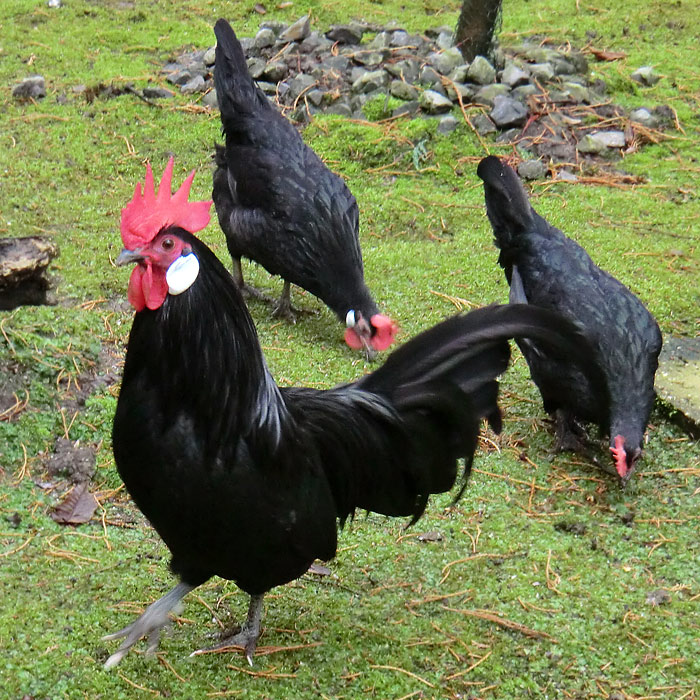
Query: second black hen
x=279, y=205
x=545, y=268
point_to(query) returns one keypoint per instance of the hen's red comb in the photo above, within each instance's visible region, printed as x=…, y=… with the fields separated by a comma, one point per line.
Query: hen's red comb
x=148, y=213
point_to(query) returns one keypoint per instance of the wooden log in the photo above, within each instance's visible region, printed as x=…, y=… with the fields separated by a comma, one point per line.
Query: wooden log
x=23, y=267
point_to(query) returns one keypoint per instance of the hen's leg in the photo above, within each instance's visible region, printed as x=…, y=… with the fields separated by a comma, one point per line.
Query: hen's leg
x=246, y=290
x=246, y=636
x=153, y=619
x=283, y=308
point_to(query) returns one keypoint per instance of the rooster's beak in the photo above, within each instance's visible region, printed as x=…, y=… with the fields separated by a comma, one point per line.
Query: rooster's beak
x=129, y=256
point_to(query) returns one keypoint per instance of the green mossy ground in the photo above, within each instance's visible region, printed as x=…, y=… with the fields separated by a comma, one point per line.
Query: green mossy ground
x=549, y=543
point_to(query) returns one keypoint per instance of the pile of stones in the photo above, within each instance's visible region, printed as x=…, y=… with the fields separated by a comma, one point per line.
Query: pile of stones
x=536, y=96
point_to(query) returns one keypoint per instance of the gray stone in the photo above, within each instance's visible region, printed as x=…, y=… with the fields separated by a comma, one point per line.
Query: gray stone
x=644, y=117
x=371, y=80
x=315, y=43
x=315, y=97
x=275, y=71
x=508, y=136
x=156, y=93
x=541, y=71
x=256, y=67
x=566, y=176
x=299, y=84
x=368, y=58
x=465, y=92
x=578, y=93
x=513, y=75
x=646, y=75
x=459, y=73
x=192, y=86
x=269, y=88
x=507, y=112
x=447, y=125
x=429, y=76
x=403, y=90
x=210, y=57
x=277, y=26
x=481, y=71
x=600, y=141
x=445, y=39
x=406, y=69
x=356, y=73
x=446, y=61
x=522, y=92
x=433, y=102
x=487, y=94
x=677, y=381
x=381, y=41
x=247, y=44
x=341, y=108
x=410, y=108
x=541, y=54
x=532, y=169
x=400, y=38
x=33, y=87
x=337, y=64
x=483, y=124
x=264, y=38
x=579, y=61
x=179, y=77
x=55, y=4
x=210, y=99
x=345, y=34
x=297, y=31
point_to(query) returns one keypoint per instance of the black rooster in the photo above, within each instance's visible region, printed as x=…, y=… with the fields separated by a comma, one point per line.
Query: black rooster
x=247, y=481
x=279, y=205
x=544, y=268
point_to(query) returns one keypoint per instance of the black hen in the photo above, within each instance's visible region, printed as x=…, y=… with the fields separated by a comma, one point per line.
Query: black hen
x=544, y=268
x=279, y=205
x=247, y=481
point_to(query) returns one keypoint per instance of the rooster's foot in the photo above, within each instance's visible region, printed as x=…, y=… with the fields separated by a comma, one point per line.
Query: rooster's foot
x=246, y=636
x=153, y=619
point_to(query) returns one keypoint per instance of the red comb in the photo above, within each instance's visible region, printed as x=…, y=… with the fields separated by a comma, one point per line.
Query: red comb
x=620, y=456
x=148, y=213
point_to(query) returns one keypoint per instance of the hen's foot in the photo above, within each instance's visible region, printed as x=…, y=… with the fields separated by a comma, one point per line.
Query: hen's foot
x=153, y=619
x=246, y=636
x=569, y=436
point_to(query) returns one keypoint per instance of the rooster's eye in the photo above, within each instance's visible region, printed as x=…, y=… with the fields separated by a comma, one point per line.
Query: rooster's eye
x=168, y=244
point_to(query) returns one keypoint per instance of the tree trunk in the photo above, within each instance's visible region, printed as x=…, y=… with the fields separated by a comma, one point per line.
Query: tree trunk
x=23, y=264
x=475, y=27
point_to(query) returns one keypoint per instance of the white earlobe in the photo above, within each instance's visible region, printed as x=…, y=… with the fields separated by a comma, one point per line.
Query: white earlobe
x=350, y=319
x=182, y=273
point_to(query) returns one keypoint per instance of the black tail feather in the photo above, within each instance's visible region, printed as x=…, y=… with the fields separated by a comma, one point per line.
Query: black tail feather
x=507, y=204
x=236, y=91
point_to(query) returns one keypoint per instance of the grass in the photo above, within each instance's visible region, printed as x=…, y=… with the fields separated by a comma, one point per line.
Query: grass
x=548, y=543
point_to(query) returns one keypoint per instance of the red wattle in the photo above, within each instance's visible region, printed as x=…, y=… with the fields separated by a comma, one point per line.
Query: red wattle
x=147, y=289
x=620, y=456
x=352, y=339
x=385, y=330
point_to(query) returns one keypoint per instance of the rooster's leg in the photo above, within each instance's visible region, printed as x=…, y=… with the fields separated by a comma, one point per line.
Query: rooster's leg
x=284, y=309
x=153, y=619
x=246, y=636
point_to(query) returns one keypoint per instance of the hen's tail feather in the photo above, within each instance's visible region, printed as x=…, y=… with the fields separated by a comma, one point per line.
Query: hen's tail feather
x=236, y=92
x=507, y=203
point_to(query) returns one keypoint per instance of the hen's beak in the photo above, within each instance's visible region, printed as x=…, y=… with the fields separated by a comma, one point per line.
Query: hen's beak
x=129, y=256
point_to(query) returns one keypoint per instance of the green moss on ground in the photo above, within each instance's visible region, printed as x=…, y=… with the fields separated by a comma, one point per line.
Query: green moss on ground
x=548, y=543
